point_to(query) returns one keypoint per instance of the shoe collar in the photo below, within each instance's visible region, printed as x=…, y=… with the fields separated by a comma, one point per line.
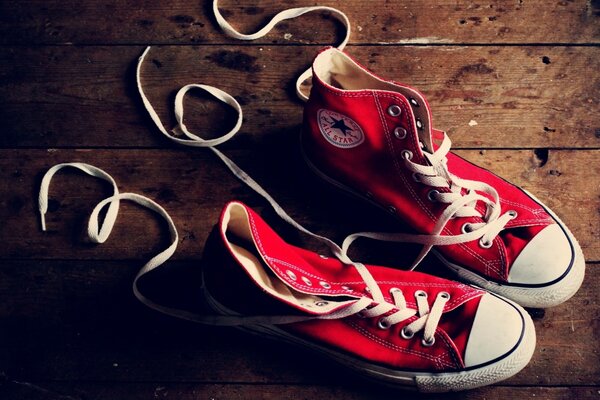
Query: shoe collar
x=337, y=73
x=305, y=284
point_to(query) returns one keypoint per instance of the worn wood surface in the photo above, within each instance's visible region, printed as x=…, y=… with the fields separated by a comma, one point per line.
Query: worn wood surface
x=516, y=99
x=70, y=328
x=54, y=310
x=379, y=21
x=186, y=188
x=350, y=391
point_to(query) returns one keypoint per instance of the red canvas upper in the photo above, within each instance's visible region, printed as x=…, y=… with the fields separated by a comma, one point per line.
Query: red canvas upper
x=375, y=169
x=232, y=284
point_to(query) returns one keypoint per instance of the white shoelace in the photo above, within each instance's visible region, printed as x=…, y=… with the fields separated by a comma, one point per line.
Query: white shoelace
x=283, y=15
x=99, y=231
x=459, y=205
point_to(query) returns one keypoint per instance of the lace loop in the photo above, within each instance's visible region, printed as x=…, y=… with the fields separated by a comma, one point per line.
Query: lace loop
x=218, y=94
x=102, y=230
x=192, y=139
x=281, y=16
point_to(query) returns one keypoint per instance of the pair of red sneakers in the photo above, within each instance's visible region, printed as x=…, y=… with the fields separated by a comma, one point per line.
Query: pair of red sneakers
x=374, y=138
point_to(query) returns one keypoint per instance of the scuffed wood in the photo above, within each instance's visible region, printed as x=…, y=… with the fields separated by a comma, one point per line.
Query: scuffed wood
x=400, y=21
x=517, y=96
x=193, y=186
x=519, y=77
x=350, y=390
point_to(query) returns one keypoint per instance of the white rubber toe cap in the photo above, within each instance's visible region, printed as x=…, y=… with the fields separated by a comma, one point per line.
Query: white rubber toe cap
x=497, y=328
x=545, y=258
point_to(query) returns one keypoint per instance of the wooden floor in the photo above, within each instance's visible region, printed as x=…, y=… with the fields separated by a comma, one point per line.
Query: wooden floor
x=515, y=83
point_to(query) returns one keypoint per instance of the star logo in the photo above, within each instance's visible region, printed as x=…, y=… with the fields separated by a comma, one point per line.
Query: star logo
x=341, y=125
x=339, y=130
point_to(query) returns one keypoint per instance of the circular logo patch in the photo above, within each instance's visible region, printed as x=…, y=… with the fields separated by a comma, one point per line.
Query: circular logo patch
x=339, y=130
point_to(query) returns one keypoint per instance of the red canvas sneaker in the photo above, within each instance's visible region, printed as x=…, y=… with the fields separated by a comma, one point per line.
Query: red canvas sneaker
x=375, y=138
x=402, y=327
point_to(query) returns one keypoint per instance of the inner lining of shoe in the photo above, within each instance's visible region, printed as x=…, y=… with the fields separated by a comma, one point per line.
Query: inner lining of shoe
x=338, y=70
x=241, y=242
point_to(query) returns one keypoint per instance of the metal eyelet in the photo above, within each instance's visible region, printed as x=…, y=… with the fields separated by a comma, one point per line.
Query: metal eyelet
x=421, y=293
x=321, y=303
x=367, y=290
x=485, y=245
x=428, y=343
x=416, y=178
x=394, y=110
x=444, y=295
x=419, y=123
x=466, y=228
x=400, y=132
x=391, y=209
x=406, y=334
x=383, y=324
x=323, y=256
x=431, y=195
x=512, y=213
x=306, y=281
x=413, y=102
x=407, y=154
x=325, y=285
x=347, y=289
x=291, y=275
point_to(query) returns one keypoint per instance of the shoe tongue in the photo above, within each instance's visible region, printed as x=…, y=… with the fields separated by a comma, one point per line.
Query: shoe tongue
x=294, y=276
x=421, y=116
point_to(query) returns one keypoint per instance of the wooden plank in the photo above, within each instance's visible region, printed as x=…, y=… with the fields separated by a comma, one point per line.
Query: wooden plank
x=518, y=96
x=401, y=21
x=193, y=186
x=78, y=320
x=349, y=390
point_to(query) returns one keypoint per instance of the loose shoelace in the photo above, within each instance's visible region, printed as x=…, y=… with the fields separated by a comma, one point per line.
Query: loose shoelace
x=373, y=307
x=99, y=231
x=281, y=16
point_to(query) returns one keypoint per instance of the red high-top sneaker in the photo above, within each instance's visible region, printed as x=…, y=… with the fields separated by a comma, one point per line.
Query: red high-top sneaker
x=375, y=138
x=403, y=327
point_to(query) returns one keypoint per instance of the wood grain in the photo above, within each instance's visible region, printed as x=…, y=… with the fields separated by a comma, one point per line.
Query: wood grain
x=515, y=98
x=526, y=72
x=193, y=186
x=401, y=21
x=189, y=391
x=78, y=321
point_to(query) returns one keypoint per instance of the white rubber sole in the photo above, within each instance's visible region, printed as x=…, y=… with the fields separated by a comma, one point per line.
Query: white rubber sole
x=527, y=296
x=471, y=378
